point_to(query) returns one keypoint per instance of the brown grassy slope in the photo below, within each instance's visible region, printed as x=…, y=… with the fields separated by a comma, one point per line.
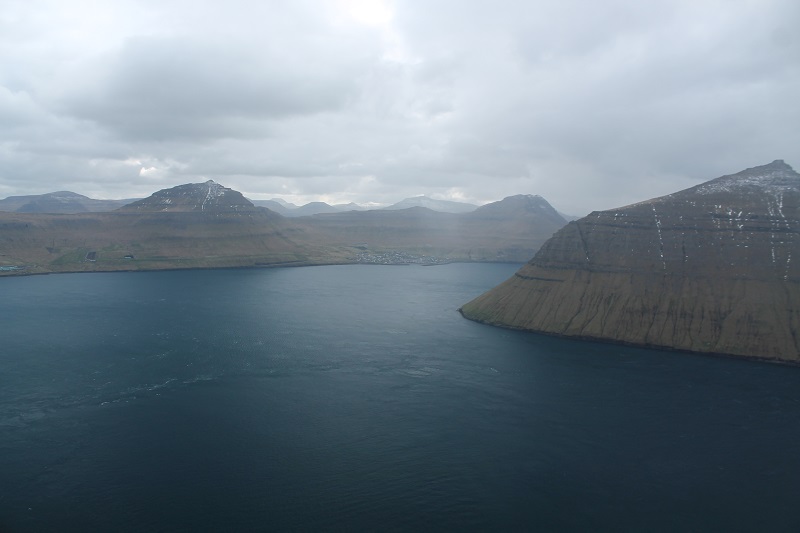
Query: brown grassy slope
x=208, y=225
x=704, y=271
x=60, y=243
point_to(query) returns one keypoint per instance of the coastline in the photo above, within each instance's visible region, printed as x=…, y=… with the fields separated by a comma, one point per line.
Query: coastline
x=605, y=340
x=288, y=264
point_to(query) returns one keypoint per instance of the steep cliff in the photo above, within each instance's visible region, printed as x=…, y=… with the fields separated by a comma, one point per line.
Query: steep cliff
x=707, y=269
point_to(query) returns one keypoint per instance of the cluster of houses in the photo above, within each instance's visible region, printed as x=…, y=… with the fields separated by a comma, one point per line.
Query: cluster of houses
x=398, y=258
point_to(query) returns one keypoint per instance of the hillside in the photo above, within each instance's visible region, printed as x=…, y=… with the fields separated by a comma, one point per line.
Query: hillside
x=64, y=202
x=199, y=225
x=209, y=196
x=123, y=241
x=708, y=269
x=510, y=230
x=205, y=225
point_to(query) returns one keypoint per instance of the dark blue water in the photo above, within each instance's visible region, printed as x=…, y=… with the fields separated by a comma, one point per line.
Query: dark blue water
x=357, y=398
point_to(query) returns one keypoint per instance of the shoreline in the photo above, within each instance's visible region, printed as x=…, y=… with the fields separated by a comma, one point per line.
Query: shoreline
x=601, y=340
x=289, y=264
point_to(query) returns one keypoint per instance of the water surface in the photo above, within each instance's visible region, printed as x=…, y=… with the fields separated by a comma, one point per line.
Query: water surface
x=356, y=397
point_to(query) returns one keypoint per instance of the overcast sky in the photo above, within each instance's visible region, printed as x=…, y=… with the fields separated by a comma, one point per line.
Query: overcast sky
x=591, y=104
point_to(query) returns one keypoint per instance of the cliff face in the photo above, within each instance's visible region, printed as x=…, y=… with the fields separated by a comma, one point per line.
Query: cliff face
x=708, y=269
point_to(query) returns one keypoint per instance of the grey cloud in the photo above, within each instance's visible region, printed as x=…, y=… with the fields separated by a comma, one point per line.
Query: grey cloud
x=159, y=89
x=592, y=105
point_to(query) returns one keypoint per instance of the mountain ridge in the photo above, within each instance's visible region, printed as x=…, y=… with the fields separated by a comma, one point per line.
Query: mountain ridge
x=209, y=196
x=206, y=225
x=65, y=202
x=501, y=231
x=707, y=269
x=443, y=206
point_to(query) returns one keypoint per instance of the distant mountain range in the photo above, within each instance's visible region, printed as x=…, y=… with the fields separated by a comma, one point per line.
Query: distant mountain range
x=713, y=268
x=274, y=205
x=58, y=202
x=67, y=202
x=315, y=208
x=509, y=230
x=203, y=225
x=443, y=206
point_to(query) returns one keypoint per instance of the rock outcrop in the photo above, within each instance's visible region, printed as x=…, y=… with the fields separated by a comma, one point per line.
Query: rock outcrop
x=713, y=268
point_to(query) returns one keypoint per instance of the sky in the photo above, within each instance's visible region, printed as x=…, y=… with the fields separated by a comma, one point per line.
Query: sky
x=592, y=105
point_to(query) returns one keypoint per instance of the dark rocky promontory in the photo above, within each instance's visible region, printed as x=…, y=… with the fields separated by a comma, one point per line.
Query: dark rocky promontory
x=714, y=268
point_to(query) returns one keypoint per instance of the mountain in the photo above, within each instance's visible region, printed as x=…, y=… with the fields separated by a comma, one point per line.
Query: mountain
x=443, y=206
x=521, y=205
x=708, y=269
x=204, y=197
x=59, y=202
x=204, y=225
x=352, y=206
x=312, y=208
x=283, y=202
x=510, y=230
x=199, y=225
x=275, y=206
x=317, y=208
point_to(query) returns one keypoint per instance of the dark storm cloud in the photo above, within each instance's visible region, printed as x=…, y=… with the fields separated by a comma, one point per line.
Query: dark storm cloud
x=590, y=104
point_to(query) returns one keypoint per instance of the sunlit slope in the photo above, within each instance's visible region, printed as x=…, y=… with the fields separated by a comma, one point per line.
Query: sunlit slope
x=712, y=269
